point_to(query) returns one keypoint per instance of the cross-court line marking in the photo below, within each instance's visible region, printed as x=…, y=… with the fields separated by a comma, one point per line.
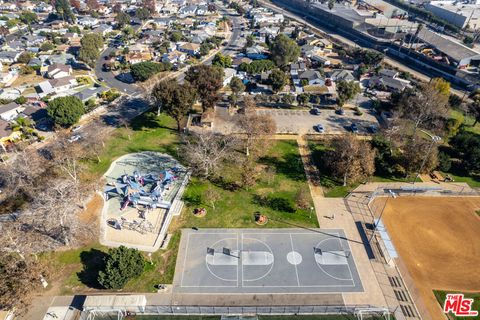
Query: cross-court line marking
x=296, y=271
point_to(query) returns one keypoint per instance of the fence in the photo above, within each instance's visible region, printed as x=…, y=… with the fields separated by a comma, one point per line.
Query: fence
x=239, y=310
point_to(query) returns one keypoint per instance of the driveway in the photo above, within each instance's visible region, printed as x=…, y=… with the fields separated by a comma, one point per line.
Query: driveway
x=302, y=121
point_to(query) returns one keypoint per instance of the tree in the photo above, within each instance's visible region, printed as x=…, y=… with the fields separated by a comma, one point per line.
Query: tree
x=441, y=85
x=46, y=46
x=207, y=80
x=424, y=107
x=121, y=265
x=91, y=44
x=255, y=127
x=206, y=151
x=284, y=50
x=474, y=110
x=176, y=36
x=277, y=79
x=25, y=57
x=250, y=41
x=175, y=99
x=142, y=13
x=468, y=40
x=122, y=19
x=303, y=98
x=237, y=86
x=288, y=99
x=20, y=276
x=467, y=146
x=346, y=90
x=65, y=111
x=222, y=61
x=28, y=17
x=257, y=66
x=145, y=70
x=64, y=10
x=150, y=6
x=350, y=159
x=302, y=198
x=331, y=4
x=415, y=151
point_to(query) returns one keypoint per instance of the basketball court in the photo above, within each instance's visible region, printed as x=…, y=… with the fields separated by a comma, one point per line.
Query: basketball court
x=237, y=261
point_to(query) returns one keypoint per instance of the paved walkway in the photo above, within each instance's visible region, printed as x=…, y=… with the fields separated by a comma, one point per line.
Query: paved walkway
x=311, y=170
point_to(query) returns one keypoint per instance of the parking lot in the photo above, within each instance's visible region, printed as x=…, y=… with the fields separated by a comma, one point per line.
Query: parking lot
x=303, y=121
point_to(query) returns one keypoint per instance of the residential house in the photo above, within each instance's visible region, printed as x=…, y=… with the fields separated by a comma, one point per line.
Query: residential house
x=137, y=57
x=9, y=57
x=202, y=10
x=268, y=32
x=340, y=74
x=7, y=78
x=228, y=74
x=187, y=11
x=10, y=111
x=90, y=93
x=256, y=52
x=57, y=71
x=239, y=60
x=267, y=19
x=174, y=57
x=7, y=135
x=87, y=21
x=103, y=29
x=55, y=86
x=296, y=68
x=311, y=77
x=388, y=80
x=33, y=40
x=190, y=48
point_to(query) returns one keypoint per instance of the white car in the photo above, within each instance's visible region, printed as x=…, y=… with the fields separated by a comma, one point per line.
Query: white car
x=319, y=127
x=76, y=128
x=74, y=138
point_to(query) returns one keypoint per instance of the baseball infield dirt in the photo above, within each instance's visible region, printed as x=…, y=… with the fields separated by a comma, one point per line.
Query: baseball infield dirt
x=438, y=238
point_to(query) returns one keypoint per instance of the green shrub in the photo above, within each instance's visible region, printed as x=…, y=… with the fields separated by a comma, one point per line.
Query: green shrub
x=121, y=265
x=281, y=204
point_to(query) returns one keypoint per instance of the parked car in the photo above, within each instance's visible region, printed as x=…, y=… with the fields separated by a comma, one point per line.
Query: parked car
x=74, y=138
x=315, y=111
x=373, y=128
x=340, y=111
x=319, y=127
x=76, y=128
x=354, y=127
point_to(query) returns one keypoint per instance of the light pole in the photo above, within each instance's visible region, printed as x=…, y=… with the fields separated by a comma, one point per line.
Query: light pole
x=435, y=139
x=375, y=225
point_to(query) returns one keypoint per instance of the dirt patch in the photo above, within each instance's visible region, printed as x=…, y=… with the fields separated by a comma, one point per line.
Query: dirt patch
x=438, y=240
x=92, y=211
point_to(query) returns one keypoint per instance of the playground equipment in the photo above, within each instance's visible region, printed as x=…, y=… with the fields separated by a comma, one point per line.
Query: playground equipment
x=146, y=190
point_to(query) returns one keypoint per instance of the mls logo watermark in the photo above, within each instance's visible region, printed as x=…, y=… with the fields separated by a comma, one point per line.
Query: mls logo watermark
x=459, y=305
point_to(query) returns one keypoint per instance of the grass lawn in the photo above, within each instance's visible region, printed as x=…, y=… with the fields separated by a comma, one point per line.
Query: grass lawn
x=441, y=295
x=279, y=174
x=467, y=120
x=146, y=133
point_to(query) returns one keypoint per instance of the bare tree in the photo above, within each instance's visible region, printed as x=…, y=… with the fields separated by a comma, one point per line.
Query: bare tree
x=415, y=151
x=350, y=159
x=19, y=276
x=204, y=152
x=255, y=127
x=427, y=106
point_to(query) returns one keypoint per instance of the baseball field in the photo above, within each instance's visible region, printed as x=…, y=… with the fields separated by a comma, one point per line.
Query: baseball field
x=438, y=241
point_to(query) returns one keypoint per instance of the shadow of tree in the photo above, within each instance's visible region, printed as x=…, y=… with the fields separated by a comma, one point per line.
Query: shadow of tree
x=289, y=165
x=148, y=120
x=93, y=262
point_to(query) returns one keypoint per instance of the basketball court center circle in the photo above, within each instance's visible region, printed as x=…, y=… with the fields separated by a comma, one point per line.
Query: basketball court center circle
x=295, y=258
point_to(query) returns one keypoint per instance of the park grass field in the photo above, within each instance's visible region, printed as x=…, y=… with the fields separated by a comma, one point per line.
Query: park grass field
x=280, y=174
x=438, y=240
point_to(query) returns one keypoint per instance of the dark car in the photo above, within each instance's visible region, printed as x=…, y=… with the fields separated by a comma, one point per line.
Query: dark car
x=340, y=111
x=354, y=128
x=315, y=111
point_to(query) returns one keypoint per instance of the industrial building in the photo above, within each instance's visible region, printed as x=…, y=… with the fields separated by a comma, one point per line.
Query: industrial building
x=463, y=15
